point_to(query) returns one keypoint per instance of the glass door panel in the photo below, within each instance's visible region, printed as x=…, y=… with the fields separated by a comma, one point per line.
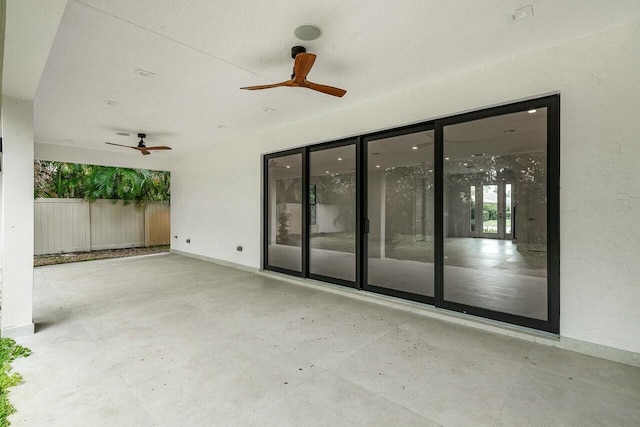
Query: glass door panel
x=472, y=212
x=504, y=268
x=332, y=216
x=284, y=212
x=400, y=209
x=508, y=215
x=490, y=210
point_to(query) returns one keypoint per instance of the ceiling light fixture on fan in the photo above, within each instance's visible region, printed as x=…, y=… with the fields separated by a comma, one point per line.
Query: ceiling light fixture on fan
x=141, y=146
x=303, y=63
x=274, y=164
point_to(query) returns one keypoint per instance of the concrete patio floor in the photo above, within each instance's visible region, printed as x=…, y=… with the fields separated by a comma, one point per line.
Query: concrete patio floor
x=167, y=340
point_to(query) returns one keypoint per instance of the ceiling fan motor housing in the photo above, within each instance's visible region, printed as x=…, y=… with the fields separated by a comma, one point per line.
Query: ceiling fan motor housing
x=296, y=50
x=141, y=136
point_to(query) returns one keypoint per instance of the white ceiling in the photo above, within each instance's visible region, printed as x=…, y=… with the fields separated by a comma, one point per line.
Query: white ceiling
x=202, y=51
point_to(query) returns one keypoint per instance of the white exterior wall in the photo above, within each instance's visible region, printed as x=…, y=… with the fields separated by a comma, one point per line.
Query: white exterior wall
x=216, y=196
x=17, y=217
x=326, y=216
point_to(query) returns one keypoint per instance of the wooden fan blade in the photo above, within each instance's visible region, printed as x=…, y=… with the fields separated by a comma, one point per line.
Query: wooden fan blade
x=143, y=151
x=159, y=147
x=120, y=145
x=330, y=90
x=287, y=83
x=302, y=66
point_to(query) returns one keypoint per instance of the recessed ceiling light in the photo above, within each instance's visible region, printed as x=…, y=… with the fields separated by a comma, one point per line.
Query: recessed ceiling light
x=477, y=155
x=465, y=164
x=308, y=32
x=446, y=158
x=288, y=167
x=327, y=171
x=508, y=131
x=481, y=169
x=414, y=148
x=339, y=158
x=144, y=73
x=111, y=103
x=268, y=109
x=377, y=166
x=123, y=133
x=532, y=111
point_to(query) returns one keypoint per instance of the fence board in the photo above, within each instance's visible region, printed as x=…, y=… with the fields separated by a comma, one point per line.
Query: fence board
x=158, y=224
x=54, y=232
x=115, y=225
x=73, y=225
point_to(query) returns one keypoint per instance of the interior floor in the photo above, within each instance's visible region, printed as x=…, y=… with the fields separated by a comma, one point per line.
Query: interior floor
x=486, y=273
x=167, y=340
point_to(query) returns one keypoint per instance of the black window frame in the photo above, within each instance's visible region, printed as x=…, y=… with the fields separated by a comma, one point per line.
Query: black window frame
x=265, y=211
x=358, y=255
x=551, y=102
x=404, y=130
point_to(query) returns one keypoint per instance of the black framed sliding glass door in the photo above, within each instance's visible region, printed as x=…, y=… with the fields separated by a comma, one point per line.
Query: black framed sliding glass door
x=499, y=233
x=461, y=212
x=283, y=227
x=333, y=181
x=400, y=213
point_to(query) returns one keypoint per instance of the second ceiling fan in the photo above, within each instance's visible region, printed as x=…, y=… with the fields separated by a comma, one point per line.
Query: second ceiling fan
x=303, y=63
x=141, y=147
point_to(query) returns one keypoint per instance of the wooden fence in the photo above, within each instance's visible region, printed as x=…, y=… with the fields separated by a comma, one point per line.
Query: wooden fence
x=73, y=225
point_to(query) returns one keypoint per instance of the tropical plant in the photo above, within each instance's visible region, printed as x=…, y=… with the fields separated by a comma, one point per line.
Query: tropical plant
x=283, y=227
x=9, y=351
x=70, y=180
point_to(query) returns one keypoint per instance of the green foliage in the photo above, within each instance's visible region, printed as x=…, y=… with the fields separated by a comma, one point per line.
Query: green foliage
x=341, y=242
x=9, y=351
x=69, y=180
x=489, y=211
x=338, y=189
x=283, y=227
x=289, y=190
x=401, y=187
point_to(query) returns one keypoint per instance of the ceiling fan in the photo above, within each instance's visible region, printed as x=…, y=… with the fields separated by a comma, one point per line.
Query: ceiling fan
x=303, y=63
x=274, y=164
x=141, y=147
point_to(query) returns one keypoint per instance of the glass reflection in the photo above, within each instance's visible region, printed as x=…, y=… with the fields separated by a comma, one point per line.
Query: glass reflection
x=400, y=210
x=497, y=259
x=284, y=175
x=332, y=213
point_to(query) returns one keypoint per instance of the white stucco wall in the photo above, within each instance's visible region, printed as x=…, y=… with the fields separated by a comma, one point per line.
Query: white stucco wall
x=216, y=196
x=17, y=216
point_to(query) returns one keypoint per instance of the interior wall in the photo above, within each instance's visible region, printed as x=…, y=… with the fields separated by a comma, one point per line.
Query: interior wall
x=216, y=196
